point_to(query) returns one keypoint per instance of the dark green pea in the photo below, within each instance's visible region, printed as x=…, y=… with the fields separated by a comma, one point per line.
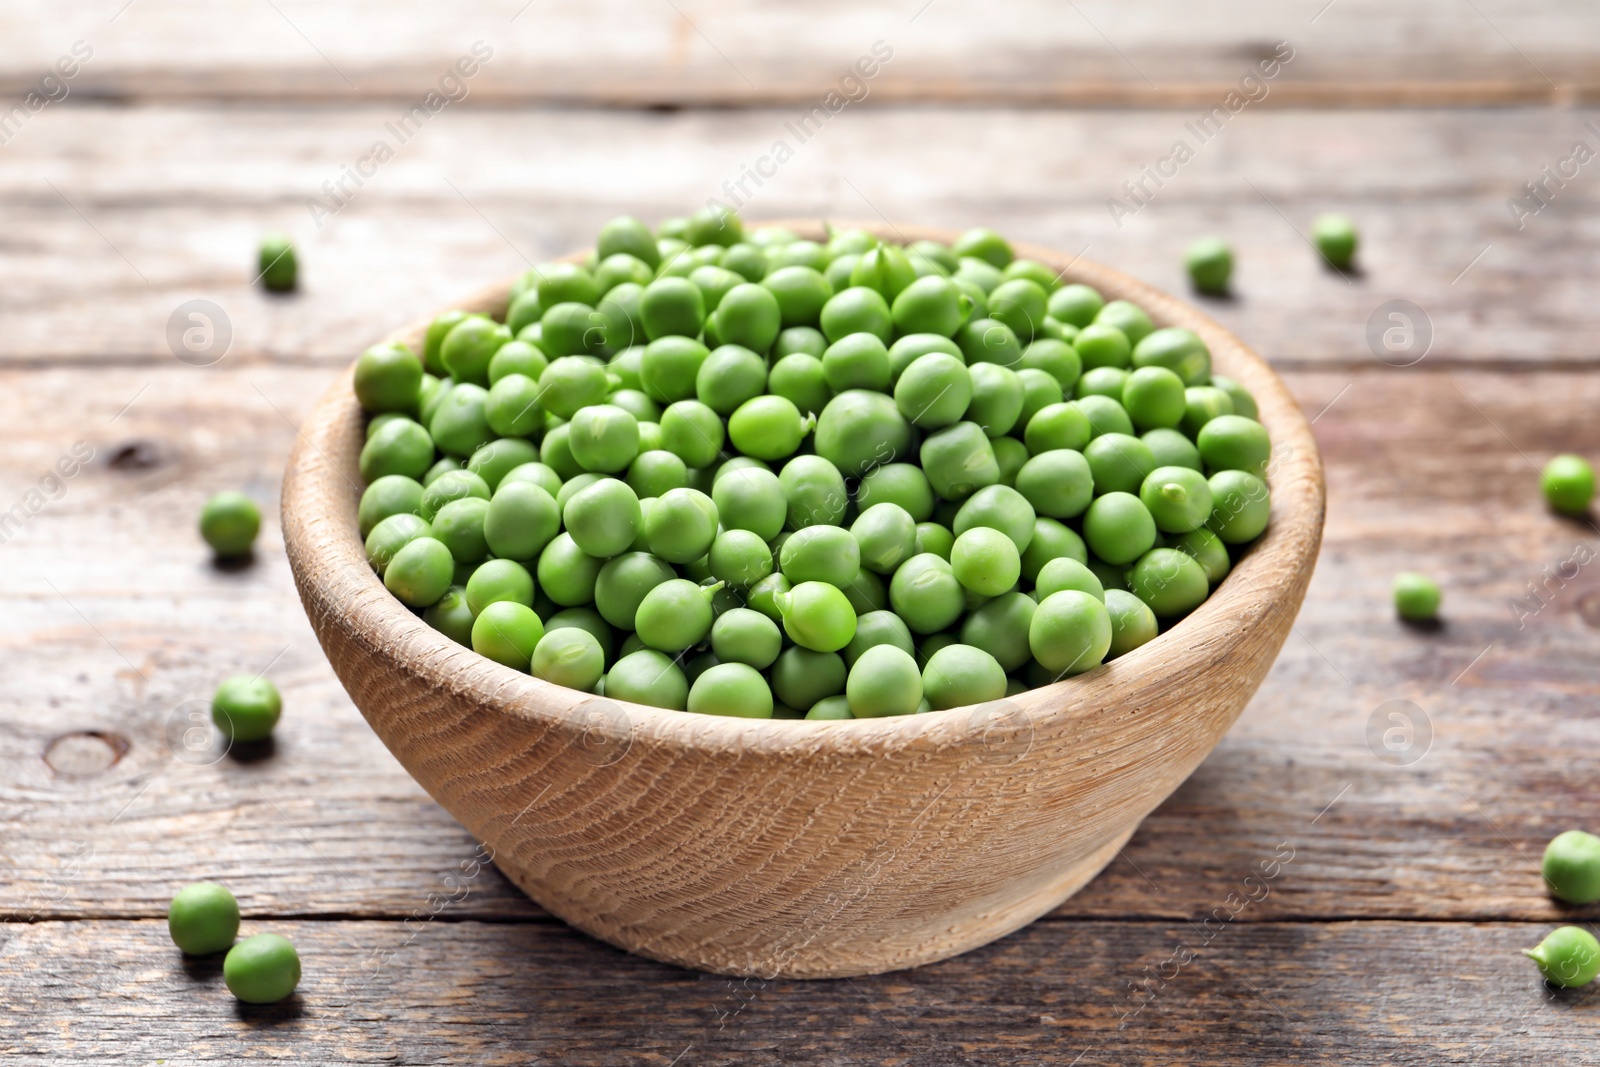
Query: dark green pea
x=856, y=361
x=930, y=305
x=618, y=313
x=1233, y=442
x=814, y=491
x=1119, y=528
x=984, y=244
x=799, y=339
x=469, y=346
x=1210, y=263
x=1051, y=540
x=434, y=339
x=459, y=525
x=857, y=310
x=625, y=367
x=521, y=520
x=897, y=483
x=566, y=574
x=996, y=398
x=276, y=264
x=1179, y=499
x=1241, y=506
x=1172, y=449
x=392, y=534
x=860, y=429
x=672, y=307
x=958, y=460
x=263, y=969
x=1132, y=622
x=818, y=554
x=1020, y=305
x=496, y=459
x=626, y=234
x=460, y=425
x=556, y=453
x=453, y=485
x=1058, y=426
x=934, y=391
x=1335, y=237
x=865, y=592
x=989, y=340
x=682, y=525
x=958, y=675
x=1070, y=633
x=1075, y=304
x=389, y=494
x=740, y=558
x=913, y=346
x=420, y=573
x=587, y=619
x=1177, y=349
x=1208, y=551
x=622, y=583
x=692, y=431
x=801, y=677
x=799, y=378
x=648, y=677
x=763, y=595
x=926, y=594
x=1058, y=483
x=1105, y=415
x=729, y=376
x=1000, y=628
x=1127, y=317
x=399, y=447
x=387, y=377
x=1243, y=403
x=1009, y=455
x=572, y=329
x=714, y=225
x=1170, y=581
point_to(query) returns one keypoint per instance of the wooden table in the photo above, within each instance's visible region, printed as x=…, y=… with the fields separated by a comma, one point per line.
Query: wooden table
x=1408, y=875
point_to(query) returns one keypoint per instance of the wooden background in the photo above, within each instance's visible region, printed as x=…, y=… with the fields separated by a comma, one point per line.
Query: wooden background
x=1392, y=934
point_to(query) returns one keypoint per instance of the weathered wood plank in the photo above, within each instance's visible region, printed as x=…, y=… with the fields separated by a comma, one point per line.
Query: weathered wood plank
x=328, y=824
x=153, y=207
x=1094, y=993
x=617, y=54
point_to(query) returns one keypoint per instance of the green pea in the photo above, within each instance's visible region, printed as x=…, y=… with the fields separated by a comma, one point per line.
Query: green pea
x=1172, y=449
x=820, y=554
x=850, y=241
x=648, y=677
x=986, y=561
x=556, y=453
x=1179, y=499
x=626, y=234
x=814, y=491
x=496, y=459
x=603, y=438
x=1000, y=628
x=747, y=260
x=469, y=346
x=619, y=321
x=749, y=315
x=1105, y=415
x=603, y=518
x=572, y=329
x=246, y=707
x=1039, y=390
x=926, y=593
x=743, y=635
x=1075, y=304
x=1569, y=957
x=913, y=346
x=958, y=675
x=884, y=268
x=521, y=520
x=934, y=391
x=856, y=361
x=875, y=628
x=997, y=507
x=566, y=574
x=625, y=365
x=1207, y=550
x=451, y=616
x=534, y=473
x=1154, y=398
x=1056, y=358
x=655, y=473
x=930, y=305
x=714, y=225
x=857, y=310
x=497, y=580
x=451, y=485
x=1243, y=403
x=1132, y=622
x=571, y=383
x=636, y=403
x=1127, y=317
x=1051, y=540
x=512, y=406
x=391, y=535
x=1058, y=483
x=984, y=244
x=729, y=376
x=866, y=592
x=672, y=307
x=1101, y=381
x=507, y=632
x=1058, y=426
x=817, y=616
x=459, y=526
x=751, y=499
x=885, y=535
x=986, y=340
x=837, y=272
x=860, y=429
x=203, y=918
x=1572, y=867
x=675, y=615
x=1033, y=271
x=1170, y=581
x=430, y=397
x=229, y=521
x=1233, y=442
x=1179, y=350
x=884, y=680
x=263, y=969
x=669, y=368
x=391, y=494
x=399, y=447
x=623, y=583
x=584, y=618
x=566, y=283
x=806, y=339
x=958, y=460
x=1210, y=263
x=830, y=708
x=1019, y=304
x=619, y=268
x=933, y=251
x=1118, y=528
x=420, y=573
x=1336, y=240
x=1070, y=632
x=692, y=431
x=740, y=558
x=569, y=657
x=438, y=329
x=734, y=689
x=387, y=378
x=1241, y=506
x=1119, y=463
x=1111, y=576
x=1416, y=596
x=715, y=283
x=796, y=254
x=897, y=483
x=799, y=379
x=801, y=677
x=524, y=310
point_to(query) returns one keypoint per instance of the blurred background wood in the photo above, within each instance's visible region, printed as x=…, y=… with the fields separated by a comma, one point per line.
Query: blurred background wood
x=196, y=127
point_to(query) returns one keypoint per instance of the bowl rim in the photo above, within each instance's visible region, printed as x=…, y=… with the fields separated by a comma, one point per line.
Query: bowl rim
x=328, y=558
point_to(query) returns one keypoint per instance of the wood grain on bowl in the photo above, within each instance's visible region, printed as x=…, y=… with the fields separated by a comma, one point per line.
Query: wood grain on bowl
x=798, y=849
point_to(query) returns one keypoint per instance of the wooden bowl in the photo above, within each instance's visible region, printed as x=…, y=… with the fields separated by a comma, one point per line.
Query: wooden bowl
x=792, y=848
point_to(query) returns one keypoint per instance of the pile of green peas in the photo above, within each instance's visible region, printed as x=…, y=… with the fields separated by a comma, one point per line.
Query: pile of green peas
x=750, y=474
